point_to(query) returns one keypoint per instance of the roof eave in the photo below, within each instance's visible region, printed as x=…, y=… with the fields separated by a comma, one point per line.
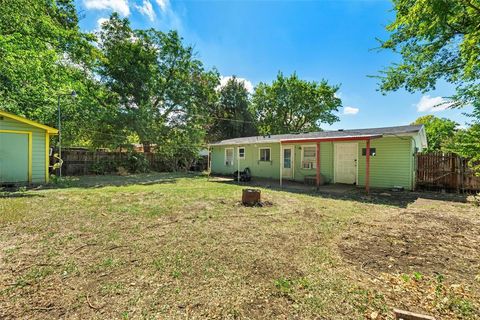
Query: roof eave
x=328, y=139
x=48, y=129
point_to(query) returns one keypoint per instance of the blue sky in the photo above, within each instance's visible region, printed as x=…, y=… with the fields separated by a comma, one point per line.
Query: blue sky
x=333, y=40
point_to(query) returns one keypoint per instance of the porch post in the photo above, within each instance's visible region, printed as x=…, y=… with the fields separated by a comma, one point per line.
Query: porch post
x=367, y=174
x=318, y=165
x=281, y=164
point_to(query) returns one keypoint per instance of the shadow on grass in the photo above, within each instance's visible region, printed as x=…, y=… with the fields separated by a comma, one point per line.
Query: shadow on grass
x=16, y=194
x=387, y=197
x=100, y=181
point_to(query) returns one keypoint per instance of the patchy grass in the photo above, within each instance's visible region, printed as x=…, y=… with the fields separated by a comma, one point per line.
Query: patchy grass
x=179, y=246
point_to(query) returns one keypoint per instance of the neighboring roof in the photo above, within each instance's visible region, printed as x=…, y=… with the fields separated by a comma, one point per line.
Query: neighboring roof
x=354, y=133
x=29, y=122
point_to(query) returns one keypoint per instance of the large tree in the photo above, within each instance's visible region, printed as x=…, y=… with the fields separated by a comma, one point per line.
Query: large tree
x=231, y=117
x=438, y=130
x=43, y=54
x=437, y=40
x=291, y=104
x=158, y=83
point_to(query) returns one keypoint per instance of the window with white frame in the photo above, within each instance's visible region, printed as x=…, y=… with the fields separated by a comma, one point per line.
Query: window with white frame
x=241, y=152
x=309, y=157
x=229, y=156
x=264, y=154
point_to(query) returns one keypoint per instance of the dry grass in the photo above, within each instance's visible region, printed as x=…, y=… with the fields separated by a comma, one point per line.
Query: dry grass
x=172, y=246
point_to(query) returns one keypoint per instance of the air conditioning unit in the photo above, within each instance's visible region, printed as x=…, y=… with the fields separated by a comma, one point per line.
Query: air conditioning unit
x=229, y=163
x=307, y=165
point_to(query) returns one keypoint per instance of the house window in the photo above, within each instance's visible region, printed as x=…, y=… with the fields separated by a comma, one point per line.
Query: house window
x=309, y=157
x=241, y=152
x=373, y=152
x=265, y=154
x=229, y=157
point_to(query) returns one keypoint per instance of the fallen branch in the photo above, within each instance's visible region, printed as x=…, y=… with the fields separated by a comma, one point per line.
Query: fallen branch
x=91, y=305
x=83, y=246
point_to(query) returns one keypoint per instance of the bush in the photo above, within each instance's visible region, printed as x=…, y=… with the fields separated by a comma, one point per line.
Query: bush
x=136, y=163
x=104, y=166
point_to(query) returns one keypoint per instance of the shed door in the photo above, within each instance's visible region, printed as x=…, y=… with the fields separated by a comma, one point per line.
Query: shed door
x=346, y=163
x=13, y=157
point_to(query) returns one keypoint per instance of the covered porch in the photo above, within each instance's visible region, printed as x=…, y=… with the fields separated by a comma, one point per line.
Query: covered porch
x=341, y=158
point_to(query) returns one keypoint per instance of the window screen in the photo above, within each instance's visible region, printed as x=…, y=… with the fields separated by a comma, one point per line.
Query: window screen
x=264, y=154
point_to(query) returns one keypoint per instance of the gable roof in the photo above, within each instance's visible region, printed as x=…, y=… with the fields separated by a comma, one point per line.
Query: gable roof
x=353, y=133
x=29, y=122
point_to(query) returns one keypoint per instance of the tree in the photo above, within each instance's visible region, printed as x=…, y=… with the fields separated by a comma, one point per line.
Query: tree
x=466, y=142
x=43, y=54
x=437, y=39
x=438, y=130
x=158, y=83
x=290, y=105
x=232, y=117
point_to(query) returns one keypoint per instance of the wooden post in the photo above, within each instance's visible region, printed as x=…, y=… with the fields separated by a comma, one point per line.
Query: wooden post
x=367, y=173
x=318, y=165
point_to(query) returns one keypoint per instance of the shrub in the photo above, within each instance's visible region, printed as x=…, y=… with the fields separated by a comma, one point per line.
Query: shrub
x=136, y=163
x=104, y=166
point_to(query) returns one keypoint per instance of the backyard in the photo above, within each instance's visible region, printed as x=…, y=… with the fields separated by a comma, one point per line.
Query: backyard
x=169, y=246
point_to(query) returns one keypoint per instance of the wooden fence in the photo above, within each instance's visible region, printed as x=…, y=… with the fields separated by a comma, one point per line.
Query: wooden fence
x=445, y=171
x=77, y=162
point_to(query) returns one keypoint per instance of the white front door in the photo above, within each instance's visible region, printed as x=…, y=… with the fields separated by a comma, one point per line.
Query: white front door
x=346, y=162
x=287, y=166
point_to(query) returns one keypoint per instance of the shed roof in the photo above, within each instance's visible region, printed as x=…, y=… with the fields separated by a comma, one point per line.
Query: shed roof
x=352, y=133
x=29, y=122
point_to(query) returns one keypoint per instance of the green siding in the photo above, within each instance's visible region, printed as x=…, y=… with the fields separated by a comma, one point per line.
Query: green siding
x=259, y=168
x=393, y=164
x=326, y=162
x=38, y=146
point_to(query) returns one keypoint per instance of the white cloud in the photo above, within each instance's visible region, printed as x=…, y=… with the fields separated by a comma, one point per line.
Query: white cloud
x=432, y=104
x=247, y=84
x=350, y=110
x=120, y=6
x=146, y=9
x=100, y=22
x=163, y=4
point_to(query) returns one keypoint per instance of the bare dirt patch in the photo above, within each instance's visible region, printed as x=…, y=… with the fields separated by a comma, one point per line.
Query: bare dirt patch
x=422, y=256
x=417, y=241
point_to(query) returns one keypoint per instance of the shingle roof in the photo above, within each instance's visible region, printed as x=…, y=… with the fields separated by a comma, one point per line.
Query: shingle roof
x=323, y=134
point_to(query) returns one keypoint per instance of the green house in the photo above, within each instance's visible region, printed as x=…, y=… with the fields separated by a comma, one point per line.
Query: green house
x=378, y=157
x=24, y=150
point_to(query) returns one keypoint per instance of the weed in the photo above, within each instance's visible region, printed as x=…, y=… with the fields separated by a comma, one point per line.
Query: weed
x=284, y=286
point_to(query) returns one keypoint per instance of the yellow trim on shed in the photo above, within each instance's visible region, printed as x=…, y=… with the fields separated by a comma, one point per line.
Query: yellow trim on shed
x=29, y=149
x=47, y=156
x=29, y=122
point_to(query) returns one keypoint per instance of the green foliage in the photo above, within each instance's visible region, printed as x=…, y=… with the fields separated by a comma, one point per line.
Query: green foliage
x=134, y=163
x=437, y=39
x=104, y=166
x=43, y=54
x=137, y=163
x=438, y=130
x=290, y=105
x=158, y=84
x=466, y=142
x=284, y=286
x=231, y=115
